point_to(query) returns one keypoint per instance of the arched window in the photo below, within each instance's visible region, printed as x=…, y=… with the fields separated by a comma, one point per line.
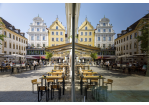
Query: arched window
x=85, y=28
x=57, y=27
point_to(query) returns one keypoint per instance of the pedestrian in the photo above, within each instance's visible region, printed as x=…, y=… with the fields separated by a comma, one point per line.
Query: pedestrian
x=34, y=64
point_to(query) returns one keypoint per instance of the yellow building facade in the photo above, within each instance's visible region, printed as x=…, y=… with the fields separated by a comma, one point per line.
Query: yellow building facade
x=56, y=33
x=86, y=33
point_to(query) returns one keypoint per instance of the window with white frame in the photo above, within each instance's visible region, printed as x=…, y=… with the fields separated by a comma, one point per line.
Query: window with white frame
x=135, y=34
x=104, y=45
x=37, y=29
x=104, y=30
x=52, y=33
x=85, y=28
x=56, y=39
x=85, y=39
x=38, y=45
x=43, y=45
x=43, y=29
x=98, y=45
x=32, y=37
x=109, y=38
x=57, y=27
x=90, y=33
x=109, y=30
x=38, y=23
x=98, y=38
x=104, y=24
x=104, y=38
x=61, y=39
x=44, y=38
x=98, y=30
x=52, y=39
x=32, y=29
x=81, y=33
x=85, y=33
x=90, y=39
x=56, y=33
x=61, y=33
x=81, y=39
x=53, y=45
x=37, y=37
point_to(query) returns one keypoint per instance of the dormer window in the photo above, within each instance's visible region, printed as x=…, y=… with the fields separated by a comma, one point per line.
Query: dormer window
x=57, y=27
x=85, y=28
x=38, y=23
x=104, y=24
x=10, y=28
x=129, y=29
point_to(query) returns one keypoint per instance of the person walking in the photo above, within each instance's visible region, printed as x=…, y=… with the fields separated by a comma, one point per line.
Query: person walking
x=10, y=63
x=34, y=64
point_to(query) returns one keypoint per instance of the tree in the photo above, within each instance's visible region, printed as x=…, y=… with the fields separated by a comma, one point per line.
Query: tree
x=1, y=35
x=144, y=38
x=48, y=56
x=93, y=56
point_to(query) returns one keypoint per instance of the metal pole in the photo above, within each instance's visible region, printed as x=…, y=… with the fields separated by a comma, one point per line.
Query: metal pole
x=73, y=51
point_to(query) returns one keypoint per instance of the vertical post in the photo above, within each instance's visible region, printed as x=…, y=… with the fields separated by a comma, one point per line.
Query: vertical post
x=73, y=51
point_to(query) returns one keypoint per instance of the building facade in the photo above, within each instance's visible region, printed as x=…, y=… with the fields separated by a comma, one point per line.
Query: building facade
x=126, y=42
x=56, y=33
x=86, y=33
x=37, y=33
x=15, y=41
x=104, y=34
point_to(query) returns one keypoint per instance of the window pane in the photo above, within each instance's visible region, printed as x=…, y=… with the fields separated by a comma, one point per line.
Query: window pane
x=85, y=33
x=98, y=38
x=98, y=30
x=81, y=33
x=56, y=33
x=57, y=27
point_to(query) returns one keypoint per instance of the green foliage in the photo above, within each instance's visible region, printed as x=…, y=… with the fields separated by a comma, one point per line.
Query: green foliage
x=1, y=35
x=144, y=38
x=93, y=55
x=48, y=55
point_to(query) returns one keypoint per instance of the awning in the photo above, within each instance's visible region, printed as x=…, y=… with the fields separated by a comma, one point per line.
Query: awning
x=38, y=57
x=100, y=57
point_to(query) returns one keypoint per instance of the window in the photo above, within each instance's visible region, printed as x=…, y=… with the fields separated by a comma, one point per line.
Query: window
x=130, y=46
x=130, y=53
x=9, y=45
x=38, y=23
x=38, y=45
x=109, y=38
x=104, y=24
x=32, y=45
x=19, y=48
x=98, y=38
x=5, y=52
x=53, y=45
x=52, y=33
x=37, y=37
x=13, y=52
x=32, y=29
x=81, y=39
x=135, y=45
x=26, y=42
x=32, y=37
x=56, y=44
x=43, y=29
x=37, y=29
x=127, y=37
x=135, y=34
x=52, y=39
x=57, y=27
x=5, y=44
x=85, y=33
x=90, y=39
x=22, y=48
x=104, y=30
x=56, y=33
x=19, y=39
x=124, y=47
x=16, y=46
x=98, y=30
x=109, y=30
x=109, y=45
x=98, y=45
x=104, y=46
x=61, y=33
x=43, y=45
x=81, y=33
x=85, y=39
x=104, y=38
x=9, y=53
x=13, y=46
x=90, y=33
x=89, y=44
x=5, y=33
x=124, y=39
x=9, y=35
x=130, y=36
x=56, y=39
x=85, y=28
x=121, y=40
x=127, y=47
x=61, y=39
x=43, y=37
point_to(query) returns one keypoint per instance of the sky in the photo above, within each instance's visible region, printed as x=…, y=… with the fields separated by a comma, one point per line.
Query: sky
x=121, y=15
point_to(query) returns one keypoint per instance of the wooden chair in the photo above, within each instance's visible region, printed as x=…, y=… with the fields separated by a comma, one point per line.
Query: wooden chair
x=52, y=91
x=50, y=81
x=40, y=89
x=34, y=81
x=109, y=81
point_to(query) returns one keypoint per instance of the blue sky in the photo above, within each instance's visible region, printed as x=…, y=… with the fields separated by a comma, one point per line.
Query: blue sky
x=121, y=15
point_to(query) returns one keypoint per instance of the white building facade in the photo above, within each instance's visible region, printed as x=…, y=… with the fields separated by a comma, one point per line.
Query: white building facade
x=104, y=34
x=37, y=33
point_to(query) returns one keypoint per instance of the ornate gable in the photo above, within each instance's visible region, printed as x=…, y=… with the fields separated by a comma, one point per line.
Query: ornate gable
x=57, y=23
x=84, y=24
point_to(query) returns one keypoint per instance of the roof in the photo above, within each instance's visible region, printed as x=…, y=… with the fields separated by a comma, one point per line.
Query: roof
x=133, y=26
x=8, y=25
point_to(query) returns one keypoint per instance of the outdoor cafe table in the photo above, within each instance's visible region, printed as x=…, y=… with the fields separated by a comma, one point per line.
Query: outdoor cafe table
x=66, y=66
x=89, y=73
x=57, y=70
x=55, y=73
x=53, y=77
x=77, y=66
x=91, y=77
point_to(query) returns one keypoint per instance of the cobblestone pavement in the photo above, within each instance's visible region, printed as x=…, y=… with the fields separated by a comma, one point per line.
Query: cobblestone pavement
x=125, y=87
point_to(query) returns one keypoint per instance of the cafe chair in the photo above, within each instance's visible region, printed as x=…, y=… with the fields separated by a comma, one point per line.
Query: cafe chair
x=34, y=81
x=52, y=91
x=109, y=81
x=50, y=81
x=40, y=89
